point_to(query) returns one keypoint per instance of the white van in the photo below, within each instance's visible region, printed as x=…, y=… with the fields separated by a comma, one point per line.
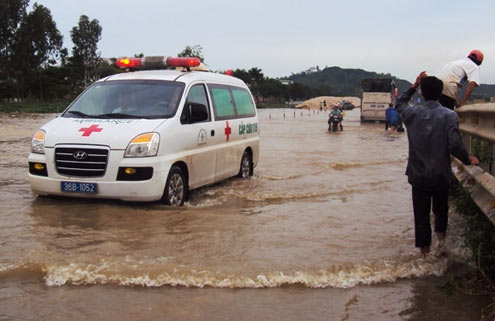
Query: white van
x=148, y=135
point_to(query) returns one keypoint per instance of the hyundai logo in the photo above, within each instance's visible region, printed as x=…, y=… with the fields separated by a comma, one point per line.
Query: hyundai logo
x=80, y=155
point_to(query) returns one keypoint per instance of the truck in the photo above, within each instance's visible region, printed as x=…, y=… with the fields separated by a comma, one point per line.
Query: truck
x=376, y=95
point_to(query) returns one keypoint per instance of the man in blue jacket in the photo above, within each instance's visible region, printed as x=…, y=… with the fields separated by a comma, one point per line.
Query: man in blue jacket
x=433, y=135
x=391, y=118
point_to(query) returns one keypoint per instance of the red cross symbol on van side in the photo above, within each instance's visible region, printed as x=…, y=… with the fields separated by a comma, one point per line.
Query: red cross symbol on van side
x=228, y=130
x=88, y=130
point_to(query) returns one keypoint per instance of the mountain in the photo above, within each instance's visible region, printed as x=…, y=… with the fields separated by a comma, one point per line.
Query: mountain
x=484, y=91
x=338, y=81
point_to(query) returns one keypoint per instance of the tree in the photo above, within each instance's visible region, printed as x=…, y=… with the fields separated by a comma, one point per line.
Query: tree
x=242, y=74
x=194, y=51
x=85, y=37
x=256, y=76
x=37, y=44
x=11, y=14
x=272, y=88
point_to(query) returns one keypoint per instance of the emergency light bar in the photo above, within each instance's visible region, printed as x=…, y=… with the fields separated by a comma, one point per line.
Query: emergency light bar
x=157, y=62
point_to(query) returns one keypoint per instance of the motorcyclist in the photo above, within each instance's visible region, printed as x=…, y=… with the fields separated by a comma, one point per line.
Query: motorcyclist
x=335, y=112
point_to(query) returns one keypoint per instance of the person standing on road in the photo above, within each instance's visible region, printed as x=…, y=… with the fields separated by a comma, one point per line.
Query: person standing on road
x=455, y=74
x=391, y=118
x=341, y=117
x=433, y=135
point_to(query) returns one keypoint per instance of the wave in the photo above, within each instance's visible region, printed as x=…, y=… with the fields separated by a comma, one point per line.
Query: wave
x=345, y=165
x=16, y=140
x=339, y=166
x=129, y=273
x=219, y=196
x=279, y=178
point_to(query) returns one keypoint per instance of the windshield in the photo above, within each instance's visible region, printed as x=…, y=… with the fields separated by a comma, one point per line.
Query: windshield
x=128, y=99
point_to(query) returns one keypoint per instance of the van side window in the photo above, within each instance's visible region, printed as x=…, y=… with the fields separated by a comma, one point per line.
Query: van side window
x=196, y=96
x=222, y=102
x=243, y=102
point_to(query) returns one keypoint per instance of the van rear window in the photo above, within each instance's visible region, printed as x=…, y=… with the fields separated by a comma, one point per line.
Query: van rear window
x=243, y=102
x=223, y=103
x=231, y=102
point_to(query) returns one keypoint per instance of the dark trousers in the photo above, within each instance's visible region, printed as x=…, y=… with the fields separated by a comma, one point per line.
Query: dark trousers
x=447, y=101
x=422, y=201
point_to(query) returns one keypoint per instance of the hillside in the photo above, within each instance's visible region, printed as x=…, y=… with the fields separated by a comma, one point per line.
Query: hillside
x=342, y=82
x=484, y=91
x=346, y=82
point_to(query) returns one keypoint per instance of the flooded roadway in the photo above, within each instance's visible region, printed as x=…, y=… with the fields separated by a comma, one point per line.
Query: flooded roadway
x=323, y=231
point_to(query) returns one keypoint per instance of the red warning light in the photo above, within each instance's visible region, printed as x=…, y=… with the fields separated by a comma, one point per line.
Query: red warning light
x=157, y=62
x=128, y=62
x=229, y=72
x=183, y=62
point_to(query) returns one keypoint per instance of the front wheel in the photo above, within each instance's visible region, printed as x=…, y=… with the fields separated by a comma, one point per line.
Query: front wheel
x=334, y=126
x=176, y=188
x=246, y=170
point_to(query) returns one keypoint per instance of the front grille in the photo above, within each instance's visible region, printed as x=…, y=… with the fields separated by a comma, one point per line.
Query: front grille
x=81, y=161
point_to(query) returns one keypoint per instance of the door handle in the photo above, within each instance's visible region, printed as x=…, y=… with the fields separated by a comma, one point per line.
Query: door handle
x=212, y=132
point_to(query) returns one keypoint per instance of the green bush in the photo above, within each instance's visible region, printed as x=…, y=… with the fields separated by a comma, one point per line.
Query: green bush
x=33, y=106
x=480, y=232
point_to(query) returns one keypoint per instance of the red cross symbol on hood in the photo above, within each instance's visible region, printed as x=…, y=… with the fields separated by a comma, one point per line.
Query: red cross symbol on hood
x=88, y=130
x=228, y=130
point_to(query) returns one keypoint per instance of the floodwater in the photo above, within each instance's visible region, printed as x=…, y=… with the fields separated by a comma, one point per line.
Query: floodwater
x=323, y=231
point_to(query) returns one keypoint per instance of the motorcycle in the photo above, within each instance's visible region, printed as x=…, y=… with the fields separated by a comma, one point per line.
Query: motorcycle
x=333, y=123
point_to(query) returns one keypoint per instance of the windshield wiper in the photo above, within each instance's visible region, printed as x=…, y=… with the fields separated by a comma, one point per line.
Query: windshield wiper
x=120, y=116
x=79, y=113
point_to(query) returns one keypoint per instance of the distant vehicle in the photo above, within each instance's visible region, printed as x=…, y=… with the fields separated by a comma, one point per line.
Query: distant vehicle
x=148, y=135
x=346, y=105
x=376, y=95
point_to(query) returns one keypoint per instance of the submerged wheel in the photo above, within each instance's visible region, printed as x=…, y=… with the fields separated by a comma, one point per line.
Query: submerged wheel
x=246, y=170
x=176, y=188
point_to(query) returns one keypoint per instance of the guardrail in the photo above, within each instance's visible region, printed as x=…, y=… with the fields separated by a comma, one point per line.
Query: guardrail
x=477, y=125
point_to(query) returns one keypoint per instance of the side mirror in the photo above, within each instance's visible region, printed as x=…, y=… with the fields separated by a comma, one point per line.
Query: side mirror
x=194, y=113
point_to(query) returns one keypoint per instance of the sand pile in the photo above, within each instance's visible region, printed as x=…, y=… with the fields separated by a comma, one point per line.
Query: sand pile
x=314, y=103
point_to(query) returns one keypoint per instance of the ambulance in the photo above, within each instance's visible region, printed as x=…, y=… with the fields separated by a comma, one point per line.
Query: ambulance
x=148, y=134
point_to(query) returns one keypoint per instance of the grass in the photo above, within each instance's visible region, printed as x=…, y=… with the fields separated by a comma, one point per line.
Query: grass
x=273, y=105
x=33, y=106
x=480, y=233
x=480, y=238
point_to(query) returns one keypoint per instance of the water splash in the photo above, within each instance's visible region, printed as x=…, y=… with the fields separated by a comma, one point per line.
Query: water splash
x=130, y=272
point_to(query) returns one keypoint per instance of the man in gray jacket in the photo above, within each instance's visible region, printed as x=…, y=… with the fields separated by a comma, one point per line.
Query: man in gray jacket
x=433, y=135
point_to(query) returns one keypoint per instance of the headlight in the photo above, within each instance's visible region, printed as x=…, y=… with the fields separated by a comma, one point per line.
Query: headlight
x=143, y=145
x=38, y=142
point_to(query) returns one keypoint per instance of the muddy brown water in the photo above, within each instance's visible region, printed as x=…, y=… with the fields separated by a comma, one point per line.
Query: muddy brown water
x=323, y=231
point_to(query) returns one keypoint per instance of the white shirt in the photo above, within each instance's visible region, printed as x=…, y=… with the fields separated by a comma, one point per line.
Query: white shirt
x=457, y=73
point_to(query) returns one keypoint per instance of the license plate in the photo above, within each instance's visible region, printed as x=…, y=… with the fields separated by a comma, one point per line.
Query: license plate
x=76, y=187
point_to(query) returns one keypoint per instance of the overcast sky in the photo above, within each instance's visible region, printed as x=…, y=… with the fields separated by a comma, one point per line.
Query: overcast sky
x=283, y=37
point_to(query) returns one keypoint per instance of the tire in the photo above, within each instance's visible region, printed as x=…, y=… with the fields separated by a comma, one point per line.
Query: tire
x=175, y=192
x=246, y=168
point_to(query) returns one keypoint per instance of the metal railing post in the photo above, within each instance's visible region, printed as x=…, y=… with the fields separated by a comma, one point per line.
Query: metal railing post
x=477, y=125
